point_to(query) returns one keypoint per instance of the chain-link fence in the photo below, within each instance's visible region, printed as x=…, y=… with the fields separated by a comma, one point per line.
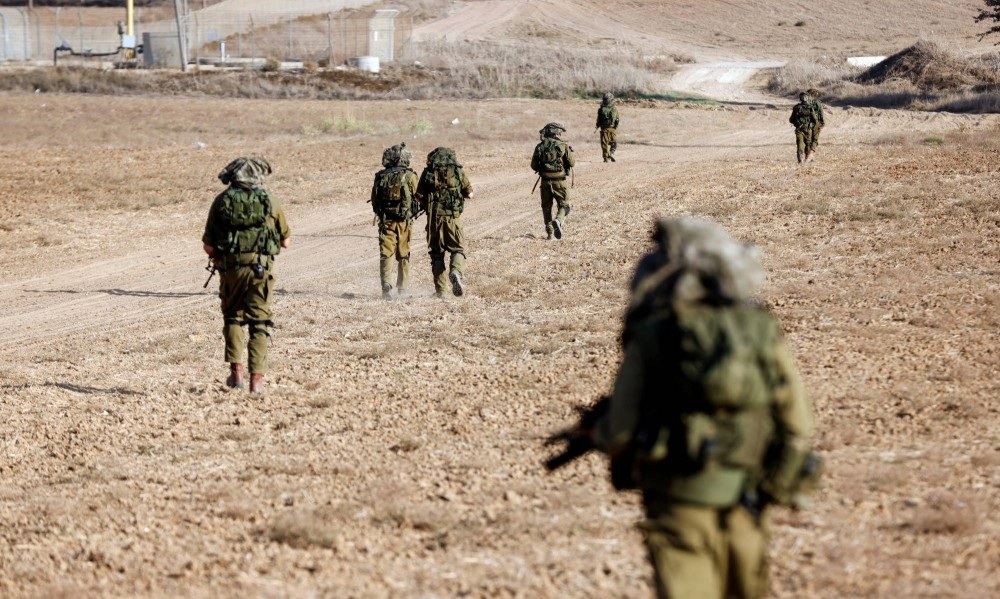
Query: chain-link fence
x=218, y=34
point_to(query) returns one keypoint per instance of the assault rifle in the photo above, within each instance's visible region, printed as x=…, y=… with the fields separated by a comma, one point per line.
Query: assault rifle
x=210, y=267
x=577, y=438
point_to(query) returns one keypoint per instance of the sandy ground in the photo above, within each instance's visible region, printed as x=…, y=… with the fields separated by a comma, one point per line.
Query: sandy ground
x=398, y=451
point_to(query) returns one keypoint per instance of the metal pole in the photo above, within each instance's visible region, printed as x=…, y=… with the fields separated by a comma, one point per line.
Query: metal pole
x=288, y=54
x=3, y=23
x=253, y=43
x=130, y=27
x=79, y=28
x=38, y=33
x=26, y=32
x=329, y=39
x=181, y=41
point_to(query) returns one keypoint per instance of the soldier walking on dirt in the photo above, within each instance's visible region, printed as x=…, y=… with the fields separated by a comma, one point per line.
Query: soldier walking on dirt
x=245, y=230
x=393, y=201
x=607, y=123
x=817, y=106
x=441, y=192
x=804, y=119
x=708, y=417
x=553, y=161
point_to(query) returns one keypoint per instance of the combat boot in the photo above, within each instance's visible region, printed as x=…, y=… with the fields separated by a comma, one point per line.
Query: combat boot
x=810, y=156
x=557, y=228
x=612, y=158
x=456, y=284
x=236, y=379
x=798, y=156
x=256, y=383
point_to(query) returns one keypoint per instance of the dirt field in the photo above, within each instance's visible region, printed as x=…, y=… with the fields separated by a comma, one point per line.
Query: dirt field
x=397, y=453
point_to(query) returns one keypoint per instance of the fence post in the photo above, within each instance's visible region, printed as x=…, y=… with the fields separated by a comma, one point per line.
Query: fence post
x=25, y=31
x=329, y=39
x=288, y=52
x=79, y=29
x=253, y=42
x=38, y=34
x=3, y=23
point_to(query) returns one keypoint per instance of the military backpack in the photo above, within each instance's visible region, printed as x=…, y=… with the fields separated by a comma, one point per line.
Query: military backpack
x=245, y=216
x=803, y=115
x=548, y=158
x=443, y=175
x=707, y=433
x=606, y=116
x=393, y=198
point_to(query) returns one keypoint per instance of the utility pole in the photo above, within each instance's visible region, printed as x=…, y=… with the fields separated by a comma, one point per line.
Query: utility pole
x=181, y=36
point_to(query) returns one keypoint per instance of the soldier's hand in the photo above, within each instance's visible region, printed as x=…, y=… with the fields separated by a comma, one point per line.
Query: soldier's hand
x=208, y=249
x=286, y=242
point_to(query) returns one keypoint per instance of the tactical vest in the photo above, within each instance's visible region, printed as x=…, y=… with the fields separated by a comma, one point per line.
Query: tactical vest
x=445, y=180
x=803, y=115
x=606, y=116
x=549, y=155
x=706, y=423
x=393, y=199
x=244, y=215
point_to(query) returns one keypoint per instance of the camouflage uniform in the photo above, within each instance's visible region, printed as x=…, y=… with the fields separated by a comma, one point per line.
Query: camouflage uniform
x=804, y=118
x=442, y=191
x=245, y=277
x=553, y=160
x=705, y=530
x=607, y=122
x=817, y=107
x=393, y=202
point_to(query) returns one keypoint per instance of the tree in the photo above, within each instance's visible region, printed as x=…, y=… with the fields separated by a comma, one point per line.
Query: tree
x=992, y=13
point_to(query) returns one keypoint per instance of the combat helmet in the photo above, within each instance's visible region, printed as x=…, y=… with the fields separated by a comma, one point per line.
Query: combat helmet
x=245, y=171
x=608, y=98
x=552, y=130
x=696, y=260
x=804, y=97
x=397, y=155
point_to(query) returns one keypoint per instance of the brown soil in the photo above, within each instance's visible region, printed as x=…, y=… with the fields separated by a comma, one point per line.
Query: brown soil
x=398, y=451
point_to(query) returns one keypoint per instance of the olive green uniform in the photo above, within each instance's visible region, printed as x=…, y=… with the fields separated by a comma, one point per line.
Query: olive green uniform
x=442, y=195
x=394, y=235
x=607, y=122
x=553, y=185
x=246, y=297
x=804, y=118
x=817, y=107
x=703, y=543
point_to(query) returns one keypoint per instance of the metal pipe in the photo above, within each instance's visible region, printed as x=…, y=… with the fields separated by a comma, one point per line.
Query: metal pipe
x=6, y=50
x=180, y=36
x=26, y=30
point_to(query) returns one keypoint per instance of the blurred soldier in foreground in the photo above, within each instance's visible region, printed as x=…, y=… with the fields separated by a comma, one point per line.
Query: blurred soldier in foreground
x=441, y=192
x=395, y=207
x=553, y=160
x=804, y=118
x=607, y=122
x=817, y=107
x=246, y=229
x=708, y=418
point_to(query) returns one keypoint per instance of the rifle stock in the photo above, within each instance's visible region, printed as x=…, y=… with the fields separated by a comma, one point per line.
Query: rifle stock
x=578, y=438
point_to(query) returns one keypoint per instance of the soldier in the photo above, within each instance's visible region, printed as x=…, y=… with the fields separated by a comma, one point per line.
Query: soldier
x=607, y=122
x=817, y=107
x=441, y=192
x=804, y=118
x=708, y=417
x=246, y=229
x=553, y=160
x=394, y=206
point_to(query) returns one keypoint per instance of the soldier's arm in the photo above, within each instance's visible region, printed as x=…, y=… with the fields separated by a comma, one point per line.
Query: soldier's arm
x=819, y=114
x=466, y=186
x=210, y=236
x=281, y=223
x=568, y=157
x=614, y=117
x=614, y=430
x=793, y=410
x=534, y=159
x=374, y=194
